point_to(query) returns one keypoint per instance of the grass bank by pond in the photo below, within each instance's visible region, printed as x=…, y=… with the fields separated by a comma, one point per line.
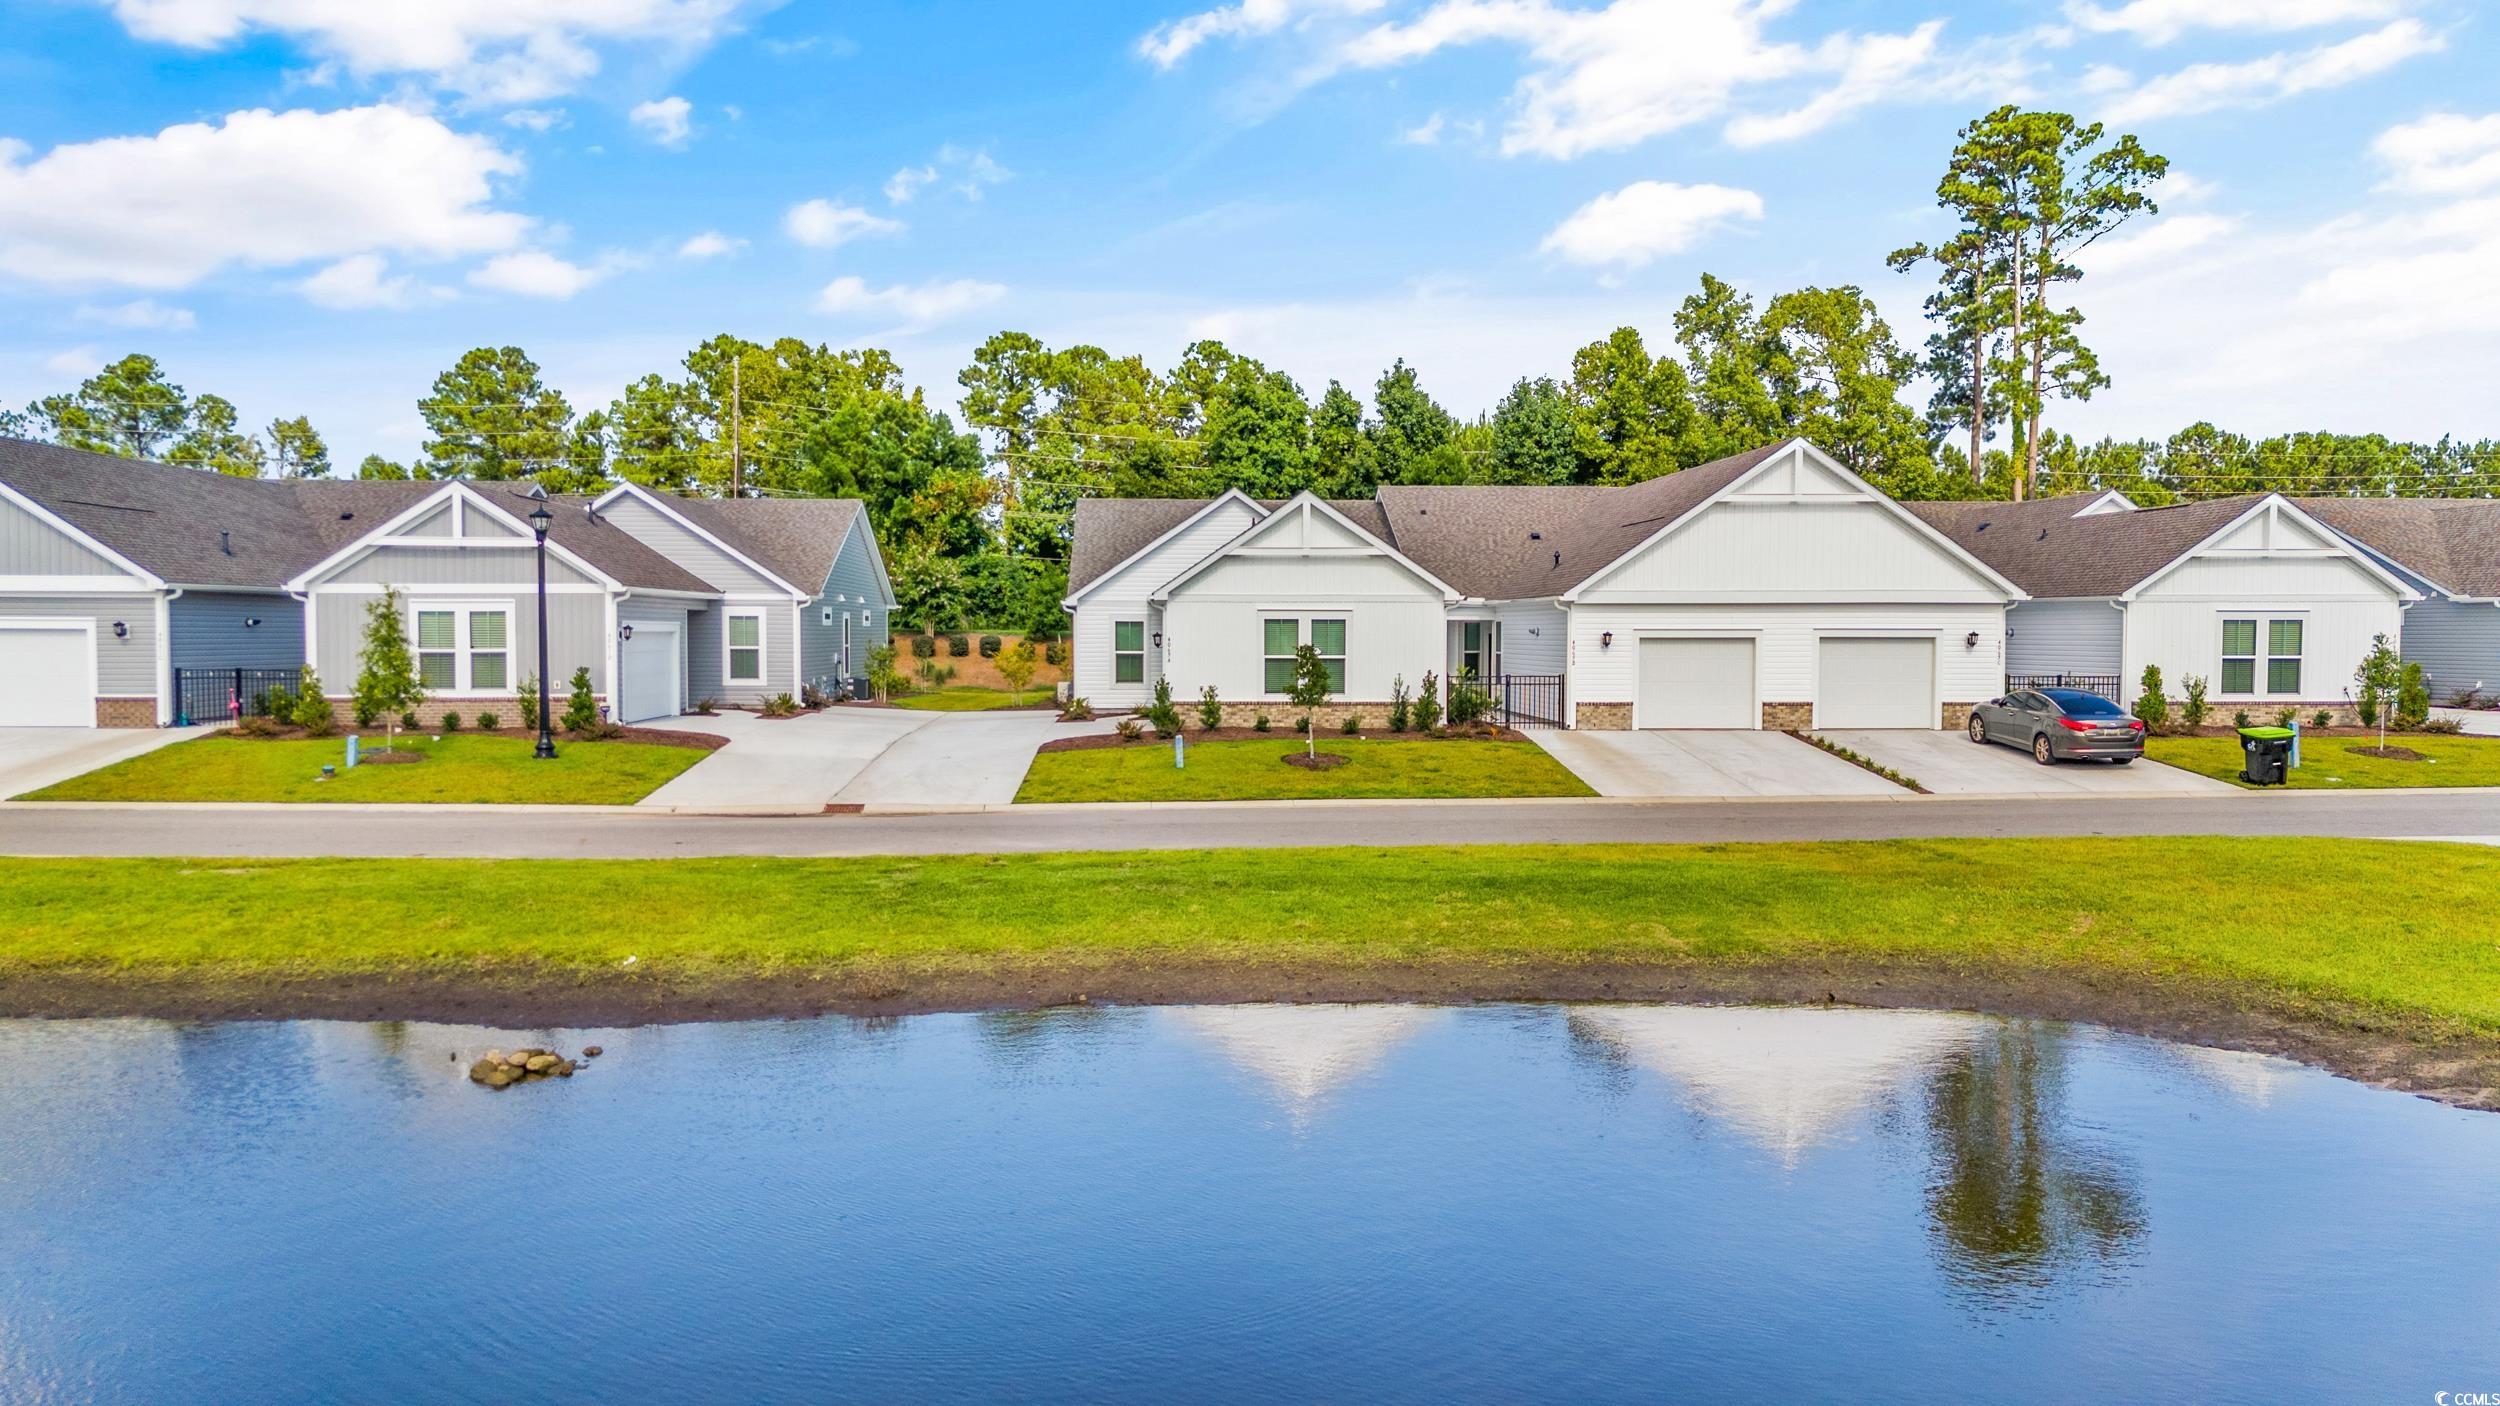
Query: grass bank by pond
x=2330, y=763
x=470, y=768
x=2376, y=957
x=1256, y=771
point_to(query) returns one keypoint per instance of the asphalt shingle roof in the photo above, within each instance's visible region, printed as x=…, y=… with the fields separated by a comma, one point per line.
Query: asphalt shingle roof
x=2453, y=543
x=2044, y=548
x=796, y=539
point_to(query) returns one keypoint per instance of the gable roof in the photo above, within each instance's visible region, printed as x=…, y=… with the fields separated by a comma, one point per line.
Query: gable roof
x=2044, y=547
x=2453, y=543
x=1314, y=503
x=1109, y=532
x=795, y=539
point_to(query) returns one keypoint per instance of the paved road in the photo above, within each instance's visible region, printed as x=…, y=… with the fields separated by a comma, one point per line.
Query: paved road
x=498, y=832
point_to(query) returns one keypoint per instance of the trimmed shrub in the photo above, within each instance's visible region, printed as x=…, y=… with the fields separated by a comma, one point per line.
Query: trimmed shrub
x=1353, y=726
x=312, y=712
x=1301, y=727
x=1130, y=729
x=581, y=707
x=489, y=722
x=1468, y=702
x=1259, y=723
x=2192, y=712
x=2152, y=706
x=2413, y=698
x=409, y=722
x=1401, y=704
x=780, y=705
x=2325, y=718
x=1076, y=710
x=812, y=698
x=1210, y=709
x=257, y=725
x=528, y=699
x=2242, y=719
x=1427, y=714
x=2285, y=717
x=451, y=722
x=990, y=645
x=924, y=646
x=958, y=645
x=1055, y=654
x=1165, y=716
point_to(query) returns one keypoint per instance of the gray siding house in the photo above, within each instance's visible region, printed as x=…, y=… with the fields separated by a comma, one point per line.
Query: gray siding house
x=132, y=594
x=2449, y=550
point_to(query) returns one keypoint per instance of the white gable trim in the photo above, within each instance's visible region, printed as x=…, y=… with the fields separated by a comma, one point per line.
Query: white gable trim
x=1308, y=502
x=68, y=529
x=2111, y=501
x=659, y=504
x=464, y=499
x=2276, y=503
x=876, y=557
x=1865, y=492
x=1229, y=495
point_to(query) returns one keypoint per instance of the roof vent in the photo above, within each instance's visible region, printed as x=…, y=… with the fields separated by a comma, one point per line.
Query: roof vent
x=1557, y=558
x=2044, y=535
x=225, y=543
x=347, y=517
x=1536, y=536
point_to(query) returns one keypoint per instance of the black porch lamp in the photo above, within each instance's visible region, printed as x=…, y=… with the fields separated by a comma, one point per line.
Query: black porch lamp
x=539, y=519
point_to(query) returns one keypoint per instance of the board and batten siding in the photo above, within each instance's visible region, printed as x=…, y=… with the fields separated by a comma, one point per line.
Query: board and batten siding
x=666, y=536
x=1214, y=626
x=215, y=630
x=2064, y=637
x=453, y=566
x=29, y=546
x=1787, y=653
x=1124, y=595
x=577, y=634
x=125, y=668
x=2457, y=643
x=2175, y=623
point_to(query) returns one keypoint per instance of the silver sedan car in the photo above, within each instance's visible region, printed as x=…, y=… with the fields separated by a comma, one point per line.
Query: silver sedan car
x=2060, y=725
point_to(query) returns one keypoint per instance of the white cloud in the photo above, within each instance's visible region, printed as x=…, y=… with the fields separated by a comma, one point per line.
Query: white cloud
x=80, y=362
x=668, y=121
x=826, y=224
x=259, y=188
x=1612, y=76
x=2205, y=87
x=1426, y=132
x=2163, y=240
x=145, y=314
x=1170, y=42
x=1628, y=228
x=967, y=171
x=906, y=183
x=2443, y=154
x=365, y=281
x=711, y=244
x=502, y=51
x=535, y=273
x=535, y=119
x=909, y=305
x=2160, y=21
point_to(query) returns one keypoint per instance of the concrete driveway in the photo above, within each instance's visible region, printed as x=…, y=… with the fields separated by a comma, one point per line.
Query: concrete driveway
x=860, y=756
x=2477, y=722
x=1950, y=764
x=32, y=758
x=1707, y=765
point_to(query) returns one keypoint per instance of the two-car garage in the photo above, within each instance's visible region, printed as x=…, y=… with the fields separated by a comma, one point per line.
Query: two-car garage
x=1716, y=681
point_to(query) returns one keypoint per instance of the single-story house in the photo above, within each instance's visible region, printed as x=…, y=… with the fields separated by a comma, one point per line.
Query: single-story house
x=1772, y=589
x=134, y=594
x=2270, y=606
x=2448, y=550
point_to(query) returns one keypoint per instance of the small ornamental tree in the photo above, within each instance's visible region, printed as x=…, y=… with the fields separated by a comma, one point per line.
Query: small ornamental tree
x=1310, y=689
x=387, y=684
x=2152, y=706
x=1165, y=716
x=310, y=710
x=2192, y=712
x=1210, y=709
x=1427, y=712
x=2374, y=685
x=2413, y=697
x=1401, y=704
x=884, y=679
x=1015, y=664
x=581, y=709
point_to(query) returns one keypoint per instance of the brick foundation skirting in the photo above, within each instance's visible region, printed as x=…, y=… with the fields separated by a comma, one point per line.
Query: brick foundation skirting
x=125, y=712
x=506, y=708
x=1328, y=717
x=1957, y=716
x=1787, y=717
x=1602, y=717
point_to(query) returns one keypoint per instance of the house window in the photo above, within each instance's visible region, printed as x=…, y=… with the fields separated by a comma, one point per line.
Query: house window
x=1282, y=636
x=464, y=649
x=824, y=615
x=2283, y=656
x=746, y=646
x=1479, y=648
x=1128, y=651
x=2239, y=656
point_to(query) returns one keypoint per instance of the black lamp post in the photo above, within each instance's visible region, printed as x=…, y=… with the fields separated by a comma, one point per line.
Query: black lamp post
x=539, y=518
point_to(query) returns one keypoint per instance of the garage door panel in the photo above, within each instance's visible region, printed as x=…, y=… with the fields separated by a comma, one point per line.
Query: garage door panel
x=1876, y=683
x=654, y=672
x=49, y=680
x=1696, y=683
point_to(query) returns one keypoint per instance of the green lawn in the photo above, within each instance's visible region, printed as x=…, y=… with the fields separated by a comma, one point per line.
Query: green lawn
x=462, y=767
x=972, y=699
x=2327, y=763
x=2318, y=937
x=1255, y=771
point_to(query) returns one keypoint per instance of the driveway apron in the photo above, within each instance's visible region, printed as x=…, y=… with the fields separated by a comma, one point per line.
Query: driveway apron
x=1950, y=764
x=1707, y=765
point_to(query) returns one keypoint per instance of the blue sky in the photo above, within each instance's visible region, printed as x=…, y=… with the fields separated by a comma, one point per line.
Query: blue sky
x=314, y=205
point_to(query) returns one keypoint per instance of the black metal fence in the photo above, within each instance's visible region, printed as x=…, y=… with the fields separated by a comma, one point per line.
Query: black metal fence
x=223, y=695
x=1513, y=700
x=2106, y=685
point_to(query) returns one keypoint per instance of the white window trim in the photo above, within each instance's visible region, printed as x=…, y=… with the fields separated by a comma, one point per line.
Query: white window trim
x=461, y=650
x=763, y=648
x=1302, y=636
x=1145, y=647
x=2261, y=654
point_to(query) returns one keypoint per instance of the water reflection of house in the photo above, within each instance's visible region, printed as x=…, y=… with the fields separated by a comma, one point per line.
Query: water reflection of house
x=2253, y=1079
x=1786, y=1078
x=1304, y=1052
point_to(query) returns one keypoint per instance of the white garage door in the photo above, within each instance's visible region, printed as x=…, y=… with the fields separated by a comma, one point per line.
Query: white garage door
x=1696, y=683
x=49, y=679
x=654, y=675
x=1876, y=683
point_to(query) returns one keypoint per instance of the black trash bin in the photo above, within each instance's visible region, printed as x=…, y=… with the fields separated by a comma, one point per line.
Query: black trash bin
x=2265, y=755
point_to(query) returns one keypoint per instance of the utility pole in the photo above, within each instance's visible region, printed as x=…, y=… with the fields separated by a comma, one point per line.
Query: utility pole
x=734, y=465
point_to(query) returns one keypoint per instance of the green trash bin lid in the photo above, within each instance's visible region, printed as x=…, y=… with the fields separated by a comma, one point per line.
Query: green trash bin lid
x=2266, y=733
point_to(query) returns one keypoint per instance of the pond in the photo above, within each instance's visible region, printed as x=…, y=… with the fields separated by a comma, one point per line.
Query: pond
x=1333, y=1202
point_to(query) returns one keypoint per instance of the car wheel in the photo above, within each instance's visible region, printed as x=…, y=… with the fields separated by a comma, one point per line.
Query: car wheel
x=2040, y=750
x=1978, y=729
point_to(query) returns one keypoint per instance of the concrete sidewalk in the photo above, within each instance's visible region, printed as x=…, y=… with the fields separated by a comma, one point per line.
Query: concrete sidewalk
x=861, y=756
x=1711, y=765
x=32, y=758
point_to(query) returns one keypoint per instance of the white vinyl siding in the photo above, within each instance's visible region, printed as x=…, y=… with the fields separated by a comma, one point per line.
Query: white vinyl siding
x=1787, y=644
x=1124, y=595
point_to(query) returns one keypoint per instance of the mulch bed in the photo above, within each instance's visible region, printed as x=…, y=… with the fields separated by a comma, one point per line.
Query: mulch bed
x=652, y=736
x=2232, y=730
x=1097, y=741
x=386, y=757
x=1320, y=761
x=2389, y=753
